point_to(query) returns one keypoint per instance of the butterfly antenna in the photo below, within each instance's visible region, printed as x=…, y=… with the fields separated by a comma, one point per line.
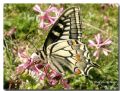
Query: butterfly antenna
x=27, y=38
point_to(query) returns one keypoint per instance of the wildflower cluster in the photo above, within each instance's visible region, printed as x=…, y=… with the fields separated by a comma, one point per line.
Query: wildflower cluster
x=100, y=45
x=42, y=71
x=45, y=17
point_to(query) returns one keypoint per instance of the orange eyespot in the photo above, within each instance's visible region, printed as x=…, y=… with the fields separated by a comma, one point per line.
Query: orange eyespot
x=77, y=71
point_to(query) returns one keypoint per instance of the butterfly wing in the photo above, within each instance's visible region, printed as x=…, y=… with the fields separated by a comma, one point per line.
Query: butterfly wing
x=68, y=26
x=69, y=53
x=62, y=47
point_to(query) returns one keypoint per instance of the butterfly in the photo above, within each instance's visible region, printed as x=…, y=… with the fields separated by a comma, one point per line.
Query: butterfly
x=63, y=47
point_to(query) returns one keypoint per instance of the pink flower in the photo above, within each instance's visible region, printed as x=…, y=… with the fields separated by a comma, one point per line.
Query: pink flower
x=42, y=76
x=45, y=17
x=22, y=67
x=65, y=84
x=100, y=45
x=41, y=70
x=53, y=82
x=22, y=54
x=26, y=61
x=55, y=75
x=37, y=8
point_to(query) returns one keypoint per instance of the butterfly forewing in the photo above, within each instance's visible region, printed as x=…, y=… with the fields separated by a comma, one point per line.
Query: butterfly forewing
x=68, y=26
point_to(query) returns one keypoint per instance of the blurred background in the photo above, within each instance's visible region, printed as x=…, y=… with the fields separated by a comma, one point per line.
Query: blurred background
x=21, y=30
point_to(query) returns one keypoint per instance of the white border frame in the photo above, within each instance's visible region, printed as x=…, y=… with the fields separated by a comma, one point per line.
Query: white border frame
x=36, y=1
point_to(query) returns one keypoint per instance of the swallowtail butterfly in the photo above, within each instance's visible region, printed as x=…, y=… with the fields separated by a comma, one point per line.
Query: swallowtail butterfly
x=63, y=46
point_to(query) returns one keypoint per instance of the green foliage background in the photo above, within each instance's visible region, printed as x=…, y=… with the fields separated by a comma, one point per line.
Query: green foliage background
x=28, y=34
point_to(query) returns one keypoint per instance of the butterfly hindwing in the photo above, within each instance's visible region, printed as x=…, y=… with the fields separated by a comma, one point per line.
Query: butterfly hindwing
x=71, y=54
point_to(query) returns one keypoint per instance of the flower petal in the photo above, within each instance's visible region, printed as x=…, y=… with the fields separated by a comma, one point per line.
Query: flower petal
x=55, y=75
x=34, y=68
x=91, y=43
x=96, y=53
x=42, y=23
x=53, y=82
x=51, y=19
x=46, y=26
x=23, y=55
x=105, y=51
x=65, y=84
x=58, y=12
x=51, y=9
x=37, y=9
x=98, y=38
x=20, y=69
x=42, y=75
x=107, y=42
